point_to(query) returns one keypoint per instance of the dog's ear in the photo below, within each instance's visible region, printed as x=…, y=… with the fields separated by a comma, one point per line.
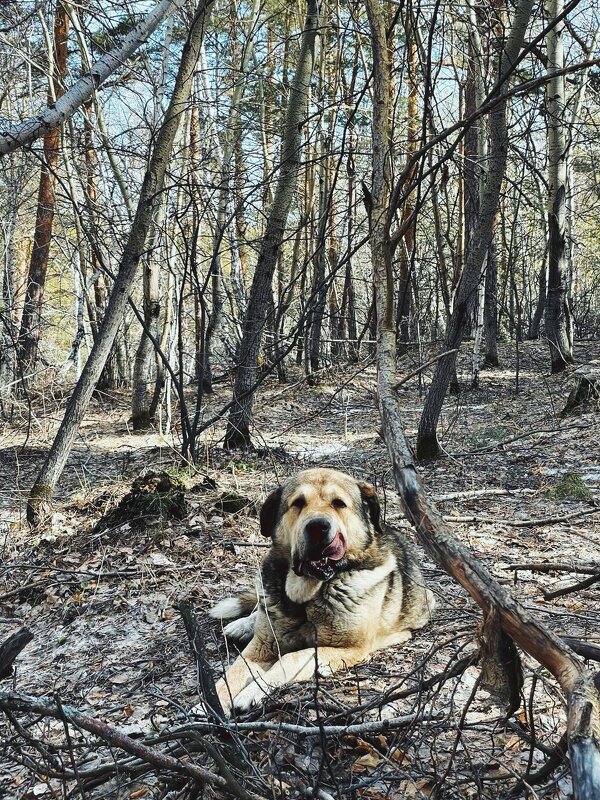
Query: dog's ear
x=371, y=505
x=269, y=512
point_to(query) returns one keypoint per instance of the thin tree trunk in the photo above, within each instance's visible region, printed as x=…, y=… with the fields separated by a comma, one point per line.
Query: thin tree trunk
x=40, y=497
x=145, y=359
x=491, y=308
x=30, y=333
x=427, y=441
x=238, y=425
x=558, y=316
x=407, y=248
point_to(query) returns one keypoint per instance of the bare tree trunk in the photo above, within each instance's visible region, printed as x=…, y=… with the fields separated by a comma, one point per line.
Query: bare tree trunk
x=491, y=308
x=145, y=359
x=558, y=315
x=238, y=425
x=427, y=441
x=38, y=507
x=29, y=335
x=407, y=247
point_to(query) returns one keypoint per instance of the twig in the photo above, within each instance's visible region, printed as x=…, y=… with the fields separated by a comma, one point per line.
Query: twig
x=488, y=448
x=525, y=523
x=549, y=566
x=544, y=772
x=575, y=587
x=422, y=367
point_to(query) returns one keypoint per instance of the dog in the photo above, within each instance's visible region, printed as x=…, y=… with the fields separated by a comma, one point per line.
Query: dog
x=336, y=585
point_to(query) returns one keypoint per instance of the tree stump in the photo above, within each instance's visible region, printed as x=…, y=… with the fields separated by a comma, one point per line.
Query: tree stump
x=586, y=389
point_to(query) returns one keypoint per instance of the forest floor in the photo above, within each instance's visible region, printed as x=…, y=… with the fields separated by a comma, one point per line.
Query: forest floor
x=519, y=485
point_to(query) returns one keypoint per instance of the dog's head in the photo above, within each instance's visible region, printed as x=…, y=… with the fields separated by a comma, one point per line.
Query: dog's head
x=321, y=519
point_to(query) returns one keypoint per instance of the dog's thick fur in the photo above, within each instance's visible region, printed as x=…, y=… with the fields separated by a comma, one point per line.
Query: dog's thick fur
x=335, y=579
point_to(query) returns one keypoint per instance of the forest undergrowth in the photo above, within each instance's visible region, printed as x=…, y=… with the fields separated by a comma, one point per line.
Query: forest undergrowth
x=520, y=484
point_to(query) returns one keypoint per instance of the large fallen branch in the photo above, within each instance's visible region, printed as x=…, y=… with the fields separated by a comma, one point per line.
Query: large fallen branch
x=26, y=132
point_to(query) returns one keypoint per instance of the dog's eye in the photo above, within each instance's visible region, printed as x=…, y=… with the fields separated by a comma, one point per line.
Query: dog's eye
x=299, y=503
x=337, y=503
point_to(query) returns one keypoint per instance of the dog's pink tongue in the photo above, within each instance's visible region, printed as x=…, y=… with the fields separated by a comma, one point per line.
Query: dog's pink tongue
x=335, y=549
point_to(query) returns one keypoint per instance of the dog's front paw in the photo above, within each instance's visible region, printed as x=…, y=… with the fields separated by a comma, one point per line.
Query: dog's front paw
x=201, y=711
x=250, y=697
x=224, y=696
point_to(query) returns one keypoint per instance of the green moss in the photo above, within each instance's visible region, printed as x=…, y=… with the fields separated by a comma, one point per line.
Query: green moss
x=571, y=486
x=231, y=503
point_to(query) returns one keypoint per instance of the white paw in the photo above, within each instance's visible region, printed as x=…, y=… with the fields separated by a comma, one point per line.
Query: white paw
x=224, y=696
x=250, y=697
x=200, y=710
x=241, y=629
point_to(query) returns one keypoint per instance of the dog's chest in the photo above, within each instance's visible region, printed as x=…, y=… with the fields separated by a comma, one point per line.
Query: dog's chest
x=350, y=605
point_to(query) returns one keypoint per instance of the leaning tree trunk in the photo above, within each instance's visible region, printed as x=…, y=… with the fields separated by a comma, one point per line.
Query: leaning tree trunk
x=238, y=424
x=150, y=198
x=504, y=616
x=31, y=320
x=558, y=318
x=427, y=441
x=23, y=133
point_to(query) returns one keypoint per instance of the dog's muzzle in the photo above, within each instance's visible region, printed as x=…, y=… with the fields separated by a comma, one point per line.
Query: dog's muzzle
x=323, y=546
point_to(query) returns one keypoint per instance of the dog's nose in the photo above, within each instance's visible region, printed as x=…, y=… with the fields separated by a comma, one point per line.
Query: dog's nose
x=318, y=531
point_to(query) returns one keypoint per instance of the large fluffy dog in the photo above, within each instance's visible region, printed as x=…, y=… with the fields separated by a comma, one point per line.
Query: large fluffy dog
x=336, y=585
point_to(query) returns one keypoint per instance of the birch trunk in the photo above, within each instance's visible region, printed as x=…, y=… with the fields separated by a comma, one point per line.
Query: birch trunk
x=57, y=113
x=558, y=316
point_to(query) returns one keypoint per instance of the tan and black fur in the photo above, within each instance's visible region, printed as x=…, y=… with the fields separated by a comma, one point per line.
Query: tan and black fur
x=335, y=578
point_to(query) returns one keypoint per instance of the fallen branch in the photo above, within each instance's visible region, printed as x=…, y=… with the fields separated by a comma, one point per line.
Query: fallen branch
x=549, y=566
x=524, y=523
x=585, y=649
x=375, y=726
x=574, y=587
x=491, y=492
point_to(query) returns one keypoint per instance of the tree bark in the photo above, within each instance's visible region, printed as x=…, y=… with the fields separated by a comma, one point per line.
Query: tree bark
x=491, y=308
x=240, y=417
x=427, y=441
x=38, y=507
x=558, y=316
x=30, y=332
